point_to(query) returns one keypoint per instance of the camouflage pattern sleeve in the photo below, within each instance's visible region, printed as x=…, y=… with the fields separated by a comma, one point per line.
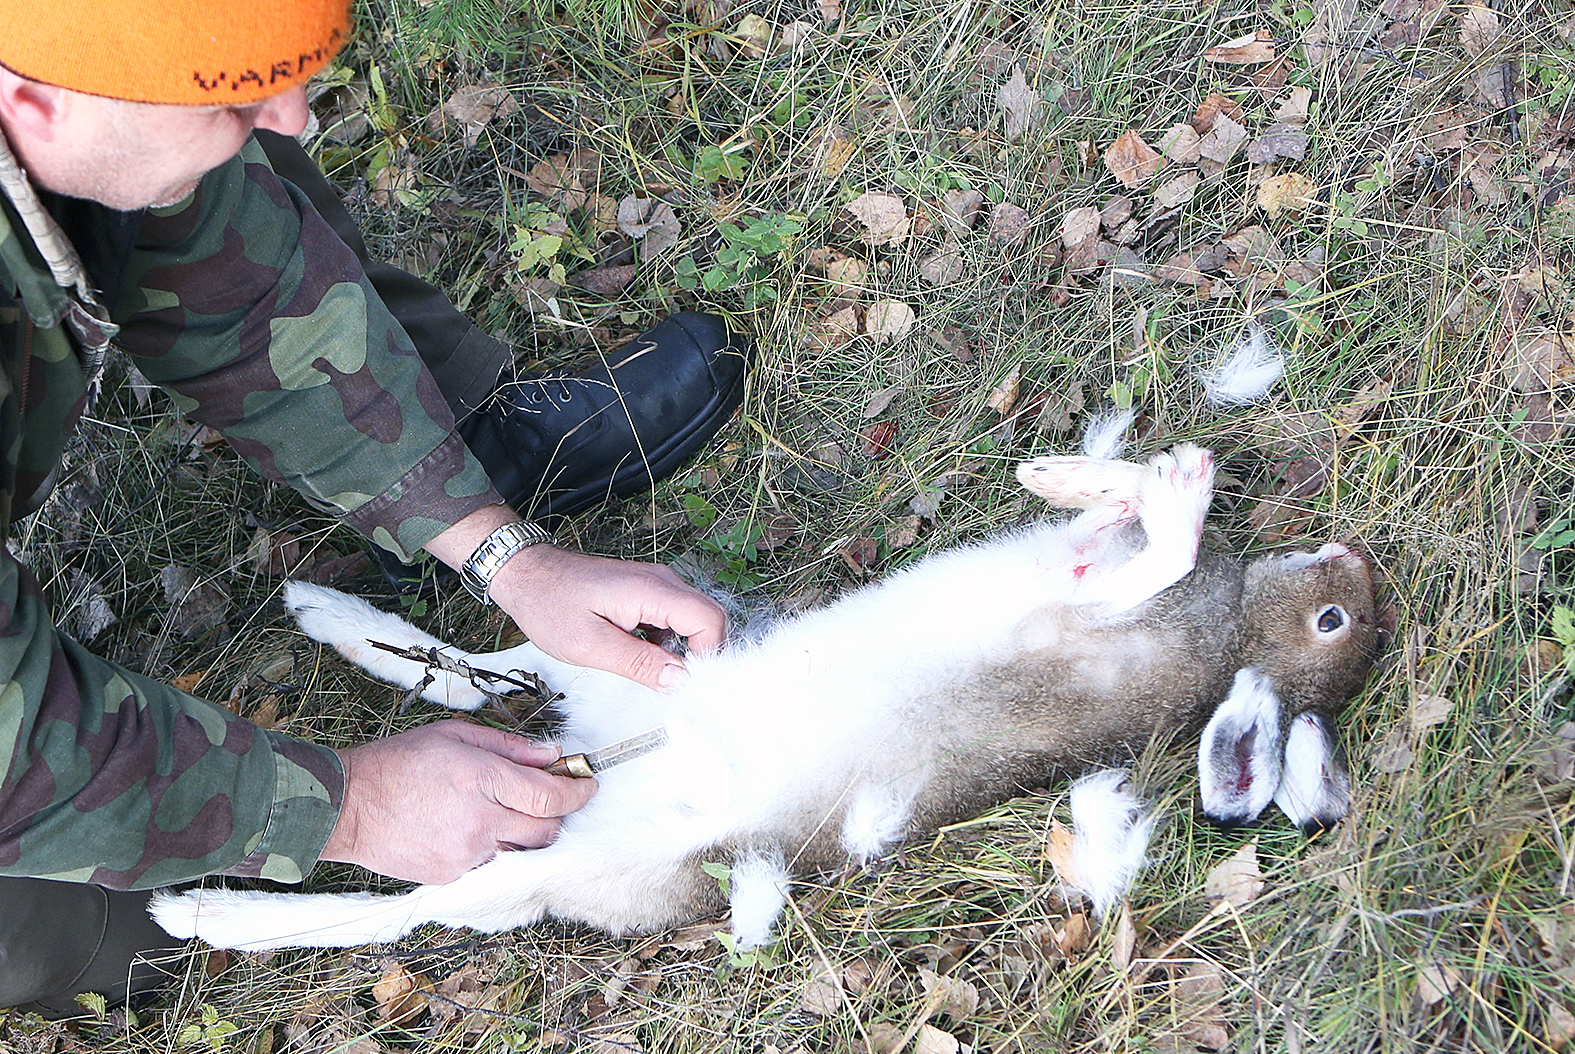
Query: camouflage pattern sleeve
x=244, y=304
x=110, y=777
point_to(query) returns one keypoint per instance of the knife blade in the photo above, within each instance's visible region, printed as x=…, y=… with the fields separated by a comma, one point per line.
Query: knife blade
x=582, y=766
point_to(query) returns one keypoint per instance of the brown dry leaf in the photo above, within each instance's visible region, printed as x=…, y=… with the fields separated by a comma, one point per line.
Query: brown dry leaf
x=1003, y=397
x=1479, y=28
x=755, y=35
x=196, y=608
x=616, y=1043
x=1212, y=108
x=886, y=1038
x=887, y=320
x=1074, y=936
x=879, y=401
x=1114, y=213
x=1124, y=942
x=932, y=1040
x=1292, y=191
x=1435, y=982
x=1131, y=160
x=960, y=210
x=1222, y=140
x=563, y=179
x=953, y=996
x=837, y=147
x=276, y=553
x=1020, y=105
x=1558, y=1025
x=876, y=439
x=1244, y=50
x=391, y=180
x=1198, y=995
x=1176, y=192
x=1009, y=224
x=1055, y=416
x=1281, y=140
x=1079, y=225
x=847, y=272
x=942, y=268
x=1427, y=711
x=821, y=996
x=884, y=216
x=1236, y=879
x=1180, y=144
x=188, y=682
x=836, y=329
x=400, y=995
x=606, y=282
x=1542, y=358
x=1294, y=108
x=652, y=222
x=1394, y=754
x=476, y=105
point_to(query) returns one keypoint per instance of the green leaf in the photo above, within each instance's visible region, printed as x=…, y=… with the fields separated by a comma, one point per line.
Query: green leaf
x=724, y=878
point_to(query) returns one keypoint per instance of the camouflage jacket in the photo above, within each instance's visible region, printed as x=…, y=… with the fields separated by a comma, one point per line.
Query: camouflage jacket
x=260, y=323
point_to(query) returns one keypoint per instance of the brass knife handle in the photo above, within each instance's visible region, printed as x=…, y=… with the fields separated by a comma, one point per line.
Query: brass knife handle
x=576, y=765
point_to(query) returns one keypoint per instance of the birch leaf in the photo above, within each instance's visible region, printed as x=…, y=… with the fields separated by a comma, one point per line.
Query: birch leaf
x=884, y=216
x=1131, y=160
x=1019, y=104
x=1236, y=880
x=1245, y=50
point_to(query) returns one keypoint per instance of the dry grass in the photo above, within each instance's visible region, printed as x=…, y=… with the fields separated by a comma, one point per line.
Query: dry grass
x=1437, y=917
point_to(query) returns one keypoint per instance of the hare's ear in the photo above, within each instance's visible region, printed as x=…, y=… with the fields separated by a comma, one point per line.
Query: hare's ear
x=1315, y=786
x=1239, y=757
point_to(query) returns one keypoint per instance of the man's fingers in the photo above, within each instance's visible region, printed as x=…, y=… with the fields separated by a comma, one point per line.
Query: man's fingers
x=532, y=793
x=607, y=646
x=517, y=749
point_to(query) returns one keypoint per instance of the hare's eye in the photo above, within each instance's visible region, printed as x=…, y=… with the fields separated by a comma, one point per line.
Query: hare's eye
x=1331, y=618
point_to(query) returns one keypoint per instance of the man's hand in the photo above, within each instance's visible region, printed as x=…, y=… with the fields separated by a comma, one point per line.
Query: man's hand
x=581, y=608
x=432, y=803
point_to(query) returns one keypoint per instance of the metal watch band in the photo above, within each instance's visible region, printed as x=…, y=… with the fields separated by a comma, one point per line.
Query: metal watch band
x=483, y=565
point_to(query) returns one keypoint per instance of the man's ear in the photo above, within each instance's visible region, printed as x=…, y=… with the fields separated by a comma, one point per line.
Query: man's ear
x=31, y=109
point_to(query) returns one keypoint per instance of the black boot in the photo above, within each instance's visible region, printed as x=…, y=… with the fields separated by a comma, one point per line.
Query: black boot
x=555, y=446
x=58, y=939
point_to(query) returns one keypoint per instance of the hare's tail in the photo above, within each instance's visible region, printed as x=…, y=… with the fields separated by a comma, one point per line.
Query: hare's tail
x=254, y=921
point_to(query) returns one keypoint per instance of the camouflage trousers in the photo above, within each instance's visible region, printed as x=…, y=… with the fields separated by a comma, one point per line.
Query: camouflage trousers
x=58, y=938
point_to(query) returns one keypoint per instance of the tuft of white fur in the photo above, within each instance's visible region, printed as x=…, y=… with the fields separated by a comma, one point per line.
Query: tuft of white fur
x=1111, y=831
x=876, y=818
x=759, y=889
x=1105, y=434
x=1248, y=372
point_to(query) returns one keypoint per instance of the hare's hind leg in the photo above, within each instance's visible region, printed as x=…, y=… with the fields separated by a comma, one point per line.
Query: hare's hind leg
x=1083, y=482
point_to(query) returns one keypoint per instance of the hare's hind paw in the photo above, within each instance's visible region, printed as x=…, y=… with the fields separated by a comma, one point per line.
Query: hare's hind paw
x=1176, y=495
x=1082, y=482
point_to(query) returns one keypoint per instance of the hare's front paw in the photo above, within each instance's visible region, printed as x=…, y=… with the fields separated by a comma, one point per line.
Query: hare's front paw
x=1081, y=482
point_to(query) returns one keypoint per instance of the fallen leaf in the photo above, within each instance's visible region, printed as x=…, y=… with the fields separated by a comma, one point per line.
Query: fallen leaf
x=1079, y=225
x=1222, y=140
x=1236, y=879
x=650, y=221
x=887, y=320
x=1435, y=982
x=1541, y=358
x=1176, y=192
x=1009, y=224
x=91, y=611
x=837, y=147
x=1059, y=847
x=1427, y=711
x=830, y=10
x=1180, y=144
x=884, y=216
x=755, y=35
x=1212, y=108
x=1198, y=995
x=1281, y=140
x=188, y=682
x=1394, y=754
x=1074, y=936
x=1558, y=1025
x=1124, y=942
x=860, y=554
x=879, y=401
x=821, y=995
x=1003, y=397
x=1244, y=50
x=276, y=553
x=960, y=210
x=848, y=272
x=1479, y=28
x=196, y=608
x=886, y=1038
x=1131, y=160
x=477, y=105
x=1293, y=109
x=1292, y=191
x=399, y=995
x=934, y=1041
x=606, y=282
x=942, y=268
x=1115, y=212
x=836, y=329
x=955, y=997
x=877, y=438
x=1019, y=104
x=563, y=179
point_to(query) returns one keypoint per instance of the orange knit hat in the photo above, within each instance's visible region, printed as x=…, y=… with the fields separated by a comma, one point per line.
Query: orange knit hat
x=198, y=52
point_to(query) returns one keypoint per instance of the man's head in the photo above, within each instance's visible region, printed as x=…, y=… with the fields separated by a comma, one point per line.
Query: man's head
x=129, y=103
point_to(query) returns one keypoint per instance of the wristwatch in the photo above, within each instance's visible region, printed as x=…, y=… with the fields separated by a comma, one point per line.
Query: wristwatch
x=483, y=565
